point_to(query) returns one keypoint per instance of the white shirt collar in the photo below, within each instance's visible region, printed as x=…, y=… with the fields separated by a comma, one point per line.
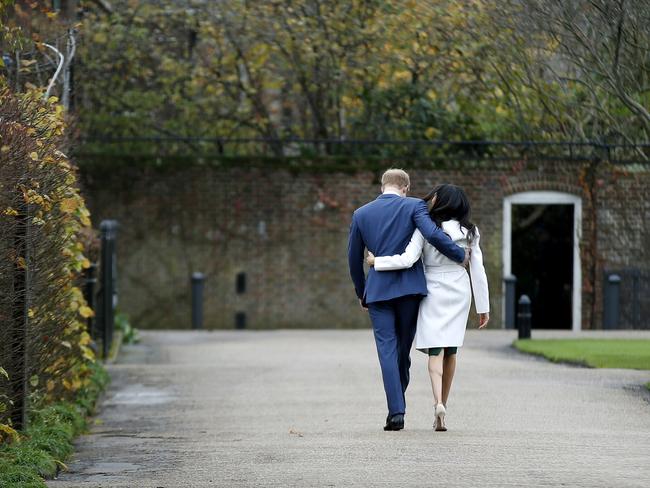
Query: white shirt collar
x=392, y=192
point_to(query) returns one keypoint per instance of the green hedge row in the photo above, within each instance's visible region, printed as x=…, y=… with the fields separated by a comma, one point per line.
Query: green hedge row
x=47, y=442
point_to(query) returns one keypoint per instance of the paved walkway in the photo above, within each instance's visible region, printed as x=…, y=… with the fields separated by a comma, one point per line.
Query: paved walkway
x=305, y=409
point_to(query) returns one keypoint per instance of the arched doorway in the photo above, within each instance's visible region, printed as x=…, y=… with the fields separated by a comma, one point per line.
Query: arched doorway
x=541, y=247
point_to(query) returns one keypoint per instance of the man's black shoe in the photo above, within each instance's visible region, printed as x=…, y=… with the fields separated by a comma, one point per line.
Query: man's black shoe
x=395, y=422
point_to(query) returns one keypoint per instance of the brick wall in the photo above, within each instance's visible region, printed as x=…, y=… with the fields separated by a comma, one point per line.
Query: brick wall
x=287, y=230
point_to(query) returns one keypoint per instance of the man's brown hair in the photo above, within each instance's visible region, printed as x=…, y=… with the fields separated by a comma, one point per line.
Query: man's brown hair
x=395, y=177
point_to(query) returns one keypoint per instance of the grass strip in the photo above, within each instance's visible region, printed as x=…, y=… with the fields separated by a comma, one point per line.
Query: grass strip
x=596, y=353
x=47, y=441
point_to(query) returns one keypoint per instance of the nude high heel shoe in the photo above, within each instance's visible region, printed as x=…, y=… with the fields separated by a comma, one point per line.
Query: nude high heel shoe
x=439, y=422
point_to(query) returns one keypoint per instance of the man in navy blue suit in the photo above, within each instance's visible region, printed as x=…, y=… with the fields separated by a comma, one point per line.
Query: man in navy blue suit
x=384, y=227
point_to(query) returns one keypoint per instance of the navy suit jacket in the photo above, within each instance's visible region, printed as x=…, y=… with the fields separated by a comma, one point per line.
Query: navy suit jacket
x=385, y=226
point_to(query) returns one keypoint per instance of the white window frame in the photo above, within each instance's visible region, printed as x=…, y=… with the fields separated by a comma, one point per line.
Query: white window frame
x=547, y=198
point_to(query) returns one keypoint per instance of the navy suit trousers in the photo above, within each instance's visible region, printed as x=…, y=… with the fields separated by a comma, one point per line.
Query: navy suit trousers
x=394, y=322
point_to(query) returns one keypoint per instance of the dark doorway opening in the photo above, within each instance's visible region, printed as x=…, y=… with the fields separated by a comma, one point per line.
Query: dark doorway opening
x=542, y=261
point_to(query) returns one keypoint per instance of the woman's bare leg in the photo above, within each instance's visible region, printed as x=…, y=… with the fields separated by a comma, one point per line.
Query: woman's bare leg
x=448, y=370
x=435, y=372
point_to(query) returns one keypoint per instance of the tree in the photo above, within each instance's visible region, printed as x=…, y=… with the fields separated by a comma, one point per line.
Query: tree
x=304, y=69
x=585, y=61
x=38, y=46
x=367, y=69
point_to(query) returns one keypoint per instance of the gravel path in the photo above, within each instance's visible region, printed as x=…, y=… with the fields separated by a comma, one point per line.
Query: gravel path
x=306, y=409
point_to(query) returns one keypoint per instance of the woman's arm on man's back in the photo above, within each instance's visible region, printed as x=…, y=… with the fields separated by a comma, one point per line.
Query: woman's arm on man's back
x=412, y=253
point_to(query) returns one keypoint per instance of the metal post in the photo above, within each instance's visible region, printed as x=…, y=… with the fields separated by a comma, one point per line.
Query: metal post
x=636, y=298
x=524, y=317
x=511, y=283
x=89, y=294
x=197, y=280
x=108, y=230
x=240, y=288
x=611, y=301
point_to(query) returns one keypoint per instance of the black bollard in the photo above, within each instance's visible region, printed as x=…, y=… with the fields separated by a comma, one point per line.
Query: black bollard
x=89, y=294
x=611, y=301
x=524, y=317
x=240, y=289
x=108, y=279
x=511, y=306
x=198, y=280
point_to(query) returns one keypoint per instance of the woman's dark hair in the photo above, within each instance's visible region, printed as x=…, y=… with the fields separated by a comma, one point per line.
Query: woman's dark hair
x=451, y=203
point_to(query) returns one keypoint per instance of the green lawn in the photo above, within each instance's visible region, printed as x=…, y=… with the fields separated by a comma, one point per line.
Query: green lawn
x=597, y=353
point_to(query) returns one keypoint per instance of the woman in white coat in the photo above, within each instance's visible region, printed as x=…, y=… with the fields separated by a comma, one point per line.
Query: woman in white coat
x=443, y=314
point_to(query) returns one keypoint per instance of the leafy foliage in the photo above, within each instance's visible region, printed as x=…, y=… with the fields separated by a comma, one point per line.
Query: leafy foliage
x=40, y=452
x=582, y=65
x=123, y=324
x=42, y=223
x=306, y=69
x=366, y=69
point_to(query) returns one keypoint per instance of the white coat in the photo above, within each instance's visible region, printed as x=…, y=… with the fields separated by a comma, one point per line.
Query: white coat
x=442, y=318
